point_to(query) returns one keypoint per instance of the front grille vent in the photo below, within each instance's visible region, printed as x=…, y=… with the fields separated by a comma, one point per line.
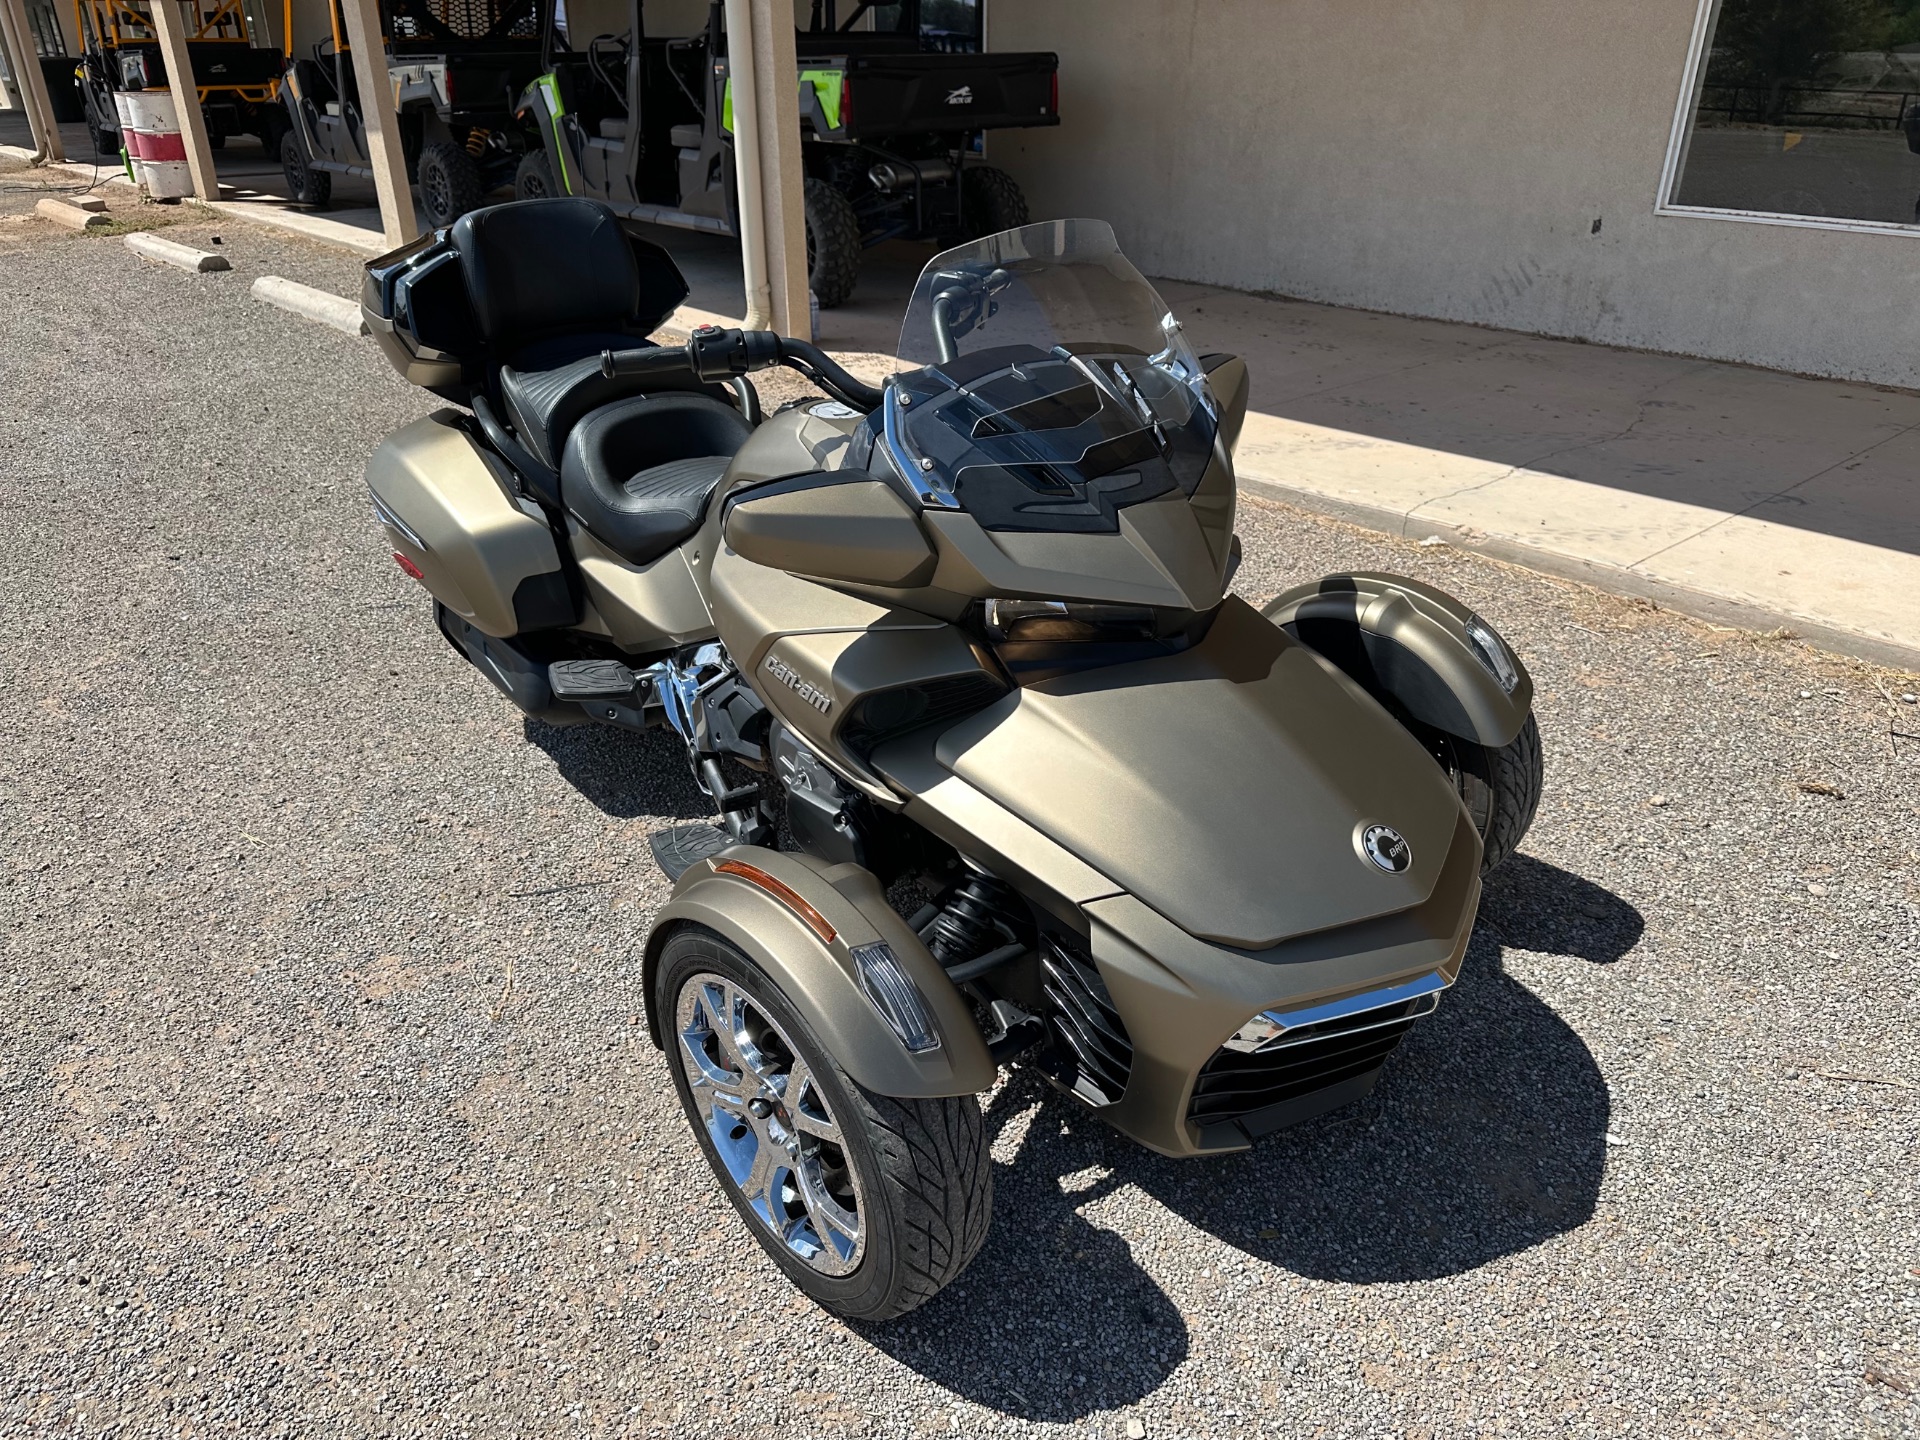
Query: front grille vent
x=1096, y=1049
x=1259, y=1090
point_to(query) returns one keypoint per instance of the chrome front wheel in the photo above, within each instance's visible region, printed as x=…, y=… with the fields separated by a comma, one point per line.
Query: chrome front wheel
x=869, y=1203
x=771, y=1127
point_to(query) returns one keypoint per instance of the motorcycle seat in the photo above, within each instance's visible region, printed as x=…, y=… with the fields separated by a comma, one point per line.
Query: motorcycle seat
x=638, y=473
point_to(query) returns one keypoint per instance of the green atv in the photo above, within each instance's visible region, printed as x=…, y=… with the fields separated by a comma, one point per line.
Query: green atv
x=892, y=113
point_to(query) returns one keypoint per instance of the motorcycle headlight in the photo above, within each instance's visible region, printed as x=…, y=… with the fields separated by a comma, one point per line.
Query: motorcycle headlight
x=1492, y=652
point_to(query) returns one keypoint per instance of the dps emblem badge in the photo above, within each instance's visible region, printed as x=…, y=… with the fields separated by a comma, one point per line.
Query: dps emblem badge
x=1386, y=847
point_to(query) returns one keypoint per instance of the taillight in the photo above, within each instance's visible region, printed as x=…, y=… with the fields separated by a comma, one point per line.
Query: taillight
x=408, y=566
x=846, y=99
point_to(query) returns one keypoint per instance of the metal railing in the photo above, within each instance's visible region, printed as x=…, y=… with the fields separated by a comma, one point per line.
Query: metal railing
x=1809, y=106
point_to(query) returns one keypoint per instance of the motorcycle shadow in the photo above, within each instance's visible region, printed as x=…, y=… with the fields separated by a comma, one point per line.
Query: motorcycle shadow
x=1055, y=1319
x=624, y=773
x=1486, y=1136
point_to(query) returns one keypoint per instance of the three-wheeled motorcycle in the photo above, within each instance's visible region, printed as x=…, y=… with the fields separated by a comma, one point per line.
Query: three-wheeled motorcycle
x=892, y=119
x=1003, y=771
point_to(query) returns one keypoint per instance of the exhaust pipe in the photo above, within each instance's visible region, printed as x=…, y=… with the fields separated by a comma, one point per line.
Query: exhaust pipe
x=891, y=175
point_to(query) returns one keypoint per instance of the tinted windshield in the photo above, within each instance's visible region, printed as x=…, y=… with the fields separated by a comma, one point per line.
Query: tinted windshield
x=1055, y=388
x=1062, y=283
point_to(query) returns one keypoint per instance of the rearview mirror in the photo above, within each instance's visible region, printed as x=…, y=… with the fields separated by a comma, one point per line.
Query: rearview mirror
x=858, y=532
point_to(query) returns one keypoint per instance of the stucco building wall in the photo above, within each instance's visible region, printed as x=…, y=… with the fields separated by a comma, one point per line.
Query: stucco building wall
x=1493, y=161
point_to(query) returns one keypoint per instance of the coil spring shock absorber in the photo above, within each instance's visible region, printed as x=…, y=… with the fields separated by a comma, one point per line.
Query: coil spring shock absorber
x=976, y=916
x=477, y=139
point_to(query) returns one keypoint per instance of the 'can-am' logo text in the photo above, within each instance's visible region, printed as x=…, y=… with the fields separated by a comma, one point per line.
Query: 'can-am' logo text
x=806, y=690
x=962, y=96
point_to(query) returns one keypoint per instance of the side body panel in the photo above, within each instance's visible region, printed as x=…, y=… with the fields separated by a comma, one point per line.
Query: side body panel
x=482, y=555
x=820, y=977
x=641, y=608
x=816, y=655
x=1406, y=644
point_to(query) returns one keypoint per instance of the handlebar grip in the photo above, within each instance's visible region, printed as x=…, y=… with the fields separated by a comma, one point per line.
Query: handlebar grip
x=648, y=360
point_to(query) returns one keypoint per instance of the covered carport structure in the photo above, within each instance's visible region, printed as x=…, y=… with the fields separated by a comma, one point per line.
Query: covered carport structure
x=766, y=125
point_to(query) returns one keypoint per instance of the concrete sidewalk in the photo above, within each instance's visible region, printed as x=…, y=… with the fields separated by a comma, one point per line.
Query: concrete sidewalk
x=1743, y=496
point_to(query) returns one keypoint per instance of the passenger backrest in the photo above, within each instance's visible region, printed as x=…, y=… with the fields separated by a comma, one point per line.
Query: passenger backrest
x=537, y=269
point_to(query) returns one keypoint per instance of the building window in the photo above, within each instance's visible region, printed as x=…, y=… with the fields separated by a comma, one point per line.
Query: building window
x=1801, y=112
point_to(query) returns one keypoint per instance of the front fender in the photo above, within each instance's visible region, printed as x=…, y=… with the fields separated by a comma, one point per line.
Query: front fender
x=819, y=977
x=1407, y=645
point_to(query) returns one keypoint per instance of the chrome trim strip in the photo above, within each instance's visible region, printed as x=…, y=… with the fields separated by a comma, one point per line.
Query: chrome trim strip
x=1288, y=1037
x=1429, y=984
x=386, y=517
x=927, y=489
x=1280, y=1023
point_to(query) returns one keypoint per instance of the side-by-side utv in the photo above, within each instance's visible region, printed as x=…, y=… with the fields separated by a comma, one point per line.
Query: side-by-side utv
x=236, y=67
x=457, y=74
x=892, y=116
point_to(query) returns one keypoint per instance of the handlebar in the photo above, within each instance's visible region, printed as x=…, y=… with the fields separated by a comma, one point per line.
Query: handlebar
x=714, y=354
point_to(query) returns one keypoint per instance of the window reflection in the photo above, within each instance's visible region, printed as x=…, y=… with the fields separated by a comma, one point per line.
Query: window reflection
x=1808, y=108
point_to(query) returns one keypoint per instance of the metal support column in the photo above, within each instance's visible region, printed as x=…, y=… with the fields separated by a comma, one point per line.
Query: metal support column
x=782, y=174
x=169, y=26
x=380, y=119
x=25, y=58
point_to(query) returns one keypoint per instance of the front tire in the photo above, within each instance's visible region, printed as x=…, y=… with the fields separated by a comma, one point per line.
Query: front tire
x=533, y=177
x=833, y=244
x=105, y=142
x=870, y=1205
x=450, y=184
x=305, y=185
x=1501, y=788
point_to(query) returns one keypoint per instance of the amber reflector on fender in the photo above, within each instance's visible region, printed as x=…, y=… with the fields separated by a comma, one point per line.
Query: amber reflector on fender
x=780, y=891
x=408, y=566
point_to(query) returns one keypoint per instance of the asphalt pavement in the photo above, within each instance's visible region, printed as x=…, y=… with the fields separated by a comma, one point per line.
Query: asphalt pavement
x=328, y=1111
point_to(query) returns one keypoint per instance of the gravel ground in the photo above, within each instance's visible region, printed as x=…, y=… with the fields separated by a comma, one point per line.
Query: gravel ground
x=328, y=1110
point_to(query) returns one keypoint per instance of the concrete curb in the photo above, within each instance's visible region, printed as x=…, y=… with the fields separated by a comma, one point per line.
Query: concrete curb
x=276, y=215
x=171, y=252
x=310, y=304
x=74, y=217
x=1700, y=604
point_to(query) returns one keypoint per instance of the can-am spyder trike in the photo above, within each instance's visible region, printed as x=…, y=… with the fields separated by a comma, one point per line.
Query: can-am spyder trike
x=965, y=642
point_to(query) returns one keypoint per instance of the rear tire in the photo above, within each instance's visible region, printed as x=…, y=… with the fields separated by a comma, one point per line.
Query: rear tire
x=1501, y=788
x=305, y=185
x=533, y=177
x=917, y=1171
x=105, y=142
x=450, y=184
x=991, y=201
x=833, y=244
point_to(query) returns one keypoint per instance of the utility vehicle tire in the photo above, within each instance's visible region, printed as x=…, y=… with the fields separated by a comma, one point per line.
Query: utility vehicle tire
x=450, y=184
x=533, y=177
x=305, y=185
x=869, y=1224
x=833, y=244
x=990, y=201
x=273, y=128
x=105, y=142
x=1501, y=789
